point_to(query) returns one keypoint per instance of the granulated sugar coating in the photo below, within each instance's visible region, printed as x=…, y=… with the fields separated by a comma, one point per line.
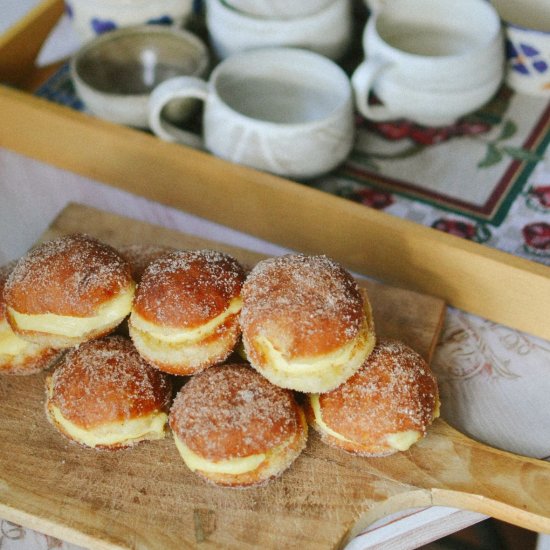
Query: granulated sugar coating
x=188, y=288
x=106, y=381
x=232, y=411
x=305, y=305
x=72, y=275
x=139, y=256
x=5, y=271
x=31, y=357
x=394, y=391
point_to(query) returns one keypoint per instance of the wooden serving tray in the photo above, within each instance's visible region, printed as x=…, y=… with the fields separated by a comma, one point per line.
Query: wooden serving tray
x=493, y=284
x=145, y=497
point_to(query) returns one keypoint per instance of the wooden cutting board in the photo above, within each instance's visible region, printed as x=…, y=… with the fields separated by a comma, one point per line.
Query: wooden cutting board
x=146, y=498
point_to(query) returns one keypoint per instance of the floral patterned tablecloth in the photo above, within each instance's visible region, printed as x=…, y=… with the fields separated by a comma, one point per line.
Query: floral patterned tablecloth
x=14, y=537
x=485, y=178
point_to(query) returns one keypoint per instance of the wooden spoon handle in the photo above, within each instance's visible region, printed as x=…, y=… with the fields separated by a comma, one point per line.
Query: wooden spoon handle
x=466, y=474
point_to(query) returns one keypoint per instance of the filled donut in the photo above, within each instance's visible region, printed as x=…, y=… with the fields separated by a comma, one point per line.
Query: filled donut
x=305, y=323
x=67, y=291
x=17, y=356
x=185, y=313
x=385, y=407
x=234, y=428
x=104, y=395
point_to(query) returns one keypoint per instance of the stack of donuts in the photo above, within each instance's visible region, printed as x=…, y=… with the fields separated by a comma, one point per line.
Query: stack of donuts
x=145, y=340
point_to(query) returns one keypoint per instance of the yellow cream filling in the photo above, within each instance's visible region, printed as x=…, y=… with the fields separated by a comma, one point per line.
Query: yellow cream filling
x=437, y=409
x=177, y=335
x=232, y=466
x=66, y=325
x=315, y=405
x=133, y=430
x=10, y=343
x=400, y=441
x=339, y=358
x=403, y=440
x=335, y=359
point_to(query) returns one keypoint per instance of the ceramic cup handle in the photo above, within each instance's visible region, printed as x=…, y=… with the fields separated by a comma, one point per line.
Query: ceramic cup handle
x=175, y=88
x=362, y=81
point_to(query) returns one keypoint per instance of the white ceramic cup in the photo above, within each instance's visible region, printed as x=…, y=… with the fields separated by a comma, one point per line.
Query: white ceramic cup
x=93, y=17
x=278, y=9
x=527, y=28
x=430, y=61
x=115, y=73
x=282, y=110
x=327, y=31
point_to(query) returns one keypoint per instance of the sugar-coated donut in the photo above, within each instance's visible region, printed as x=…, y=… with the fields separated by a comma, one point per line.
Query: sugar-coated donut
x=103, y=394
x=67, y=291
x=185, y=313
x=17, y=356
x=385, y=407
x=305, y=323
x=139, y=256
x=234, y=428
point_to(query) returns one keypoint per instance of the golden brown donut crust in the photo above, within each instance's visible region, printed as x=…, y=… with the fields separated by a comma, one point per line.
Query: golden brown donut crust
x=231, y=411
x=5, y=271
x=394, y=391
x=186, y=289
x=305, y=305
x=32, y=363
x=106, y=381
x=71, y=276
x=34, y=357
x=267, y=470
x=226, y=334
x=139, y=256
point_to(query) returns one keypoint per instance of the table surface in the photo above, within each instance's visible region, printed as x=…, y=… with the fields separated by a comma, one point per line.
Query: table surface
x=482, y=367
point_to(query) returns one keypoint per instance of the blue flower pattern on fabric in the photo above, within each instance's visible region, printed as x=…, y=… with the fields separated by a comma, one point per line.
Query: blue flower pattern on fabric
x=104, y=25
x=69, y=10
x=525, y=58
x=100, y=26
x=163, y=20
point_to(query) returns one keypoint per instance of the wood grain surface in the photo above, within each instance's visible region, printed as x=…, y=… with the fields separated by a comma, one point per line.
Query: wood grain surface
x=146, y=498
x=21, y=44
